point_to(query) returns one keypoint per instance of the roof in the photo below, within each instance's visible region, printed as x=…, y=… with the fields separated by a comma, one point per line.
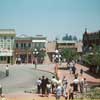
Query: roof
x=63, y=41
x=98, y=32
x=7, y=31
x=23, y=37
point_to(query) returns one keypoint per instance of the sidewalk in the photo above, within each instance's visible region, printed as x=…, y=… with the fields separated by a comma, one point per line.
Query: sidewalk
x=89, y=78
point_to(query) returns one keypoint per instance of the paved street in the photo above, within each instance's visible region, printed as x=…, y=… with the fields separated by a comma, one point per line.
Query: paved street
x=24, y=73
x=21, y=78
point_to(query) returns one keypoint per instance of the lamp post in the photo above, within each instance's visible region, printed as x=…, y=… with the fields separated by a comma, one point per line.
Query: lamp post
x=35, y=53
x=56, y=58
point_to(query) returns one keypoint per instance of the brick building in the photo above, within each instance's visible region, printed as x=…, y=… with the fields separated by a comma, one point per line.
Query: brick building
x=90, y=39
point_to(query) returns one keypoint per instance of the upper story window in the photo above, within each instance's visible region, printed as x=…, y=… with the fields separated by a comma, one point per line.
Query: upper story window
x=5, y=37
x=24, y=45
x=12, y=38
x=1, y=40
x=29, y=45
x=21, y=45
x=16, y=45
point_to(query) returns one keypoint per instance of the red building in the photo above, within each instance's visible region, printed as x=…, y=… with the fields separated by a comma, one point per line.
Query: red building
x=90, y=39
x=23, y=49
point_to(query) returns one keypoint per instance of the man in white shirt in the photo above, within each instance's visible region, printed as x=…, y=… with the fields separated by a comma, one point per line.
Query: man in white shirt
x=53, y=82
x=38, y=85
x=75, y=83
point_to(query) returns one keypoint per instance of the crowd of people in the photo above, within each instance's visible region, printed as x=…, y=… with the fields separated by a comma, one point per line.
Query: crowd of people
x=61, y=87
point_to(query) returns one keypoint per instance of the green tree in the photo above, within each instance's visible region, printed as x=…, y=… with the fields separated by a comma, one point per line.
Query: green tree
x=92, y=59
x=69, y=37
x=69, y=54
x=74, y=38
x=41, y=55
x=66, y=37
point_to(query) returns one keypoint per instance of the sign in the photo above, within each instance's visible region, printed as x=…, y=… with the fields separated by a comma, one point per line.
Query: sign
x=6, y=52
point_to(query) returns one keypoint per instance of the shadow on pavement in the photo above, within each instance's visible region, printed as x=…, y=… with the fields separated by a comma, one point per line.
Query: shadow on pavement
x=2, y=75
x=97, y=76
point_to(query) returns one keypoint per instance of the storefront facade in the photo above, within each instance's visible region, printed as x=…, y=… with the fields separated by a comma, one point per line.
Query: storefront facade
x=7, y=37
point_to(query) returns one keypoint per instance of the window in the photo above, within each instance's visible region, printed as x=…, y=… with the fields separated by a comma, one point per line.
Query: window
x=24, y=45
x=29, y=45
x=1, y=58
x=12, y=37
x=1, y=46
x=1, y=40
x=4, y=58
x=16, y=45
x=5, y=37
x=21, y=45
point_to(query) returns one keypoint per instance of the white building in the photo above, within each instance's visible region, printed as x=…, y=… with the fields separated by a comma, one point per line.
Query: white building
x=39, y=41
x=7, y=37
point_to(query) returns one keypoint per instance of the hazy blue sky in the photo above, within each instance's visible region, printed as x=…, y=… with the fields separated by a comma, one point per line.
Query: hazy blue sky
x=50, y=17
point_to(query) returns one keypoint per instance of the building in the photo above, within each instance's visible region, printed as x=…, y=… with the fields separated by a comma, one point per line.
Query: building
x=66, y=44
x=90, y=39
x=7, y=37
x=39, y=41
x=52, y=46
x=25, y=45
x=23, y=49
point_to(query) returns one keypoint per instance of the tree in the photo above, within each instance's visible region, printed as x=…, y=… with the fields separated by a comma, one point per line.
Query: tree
x=92, y=59
x=69, y=54
x=69, y=37
x=41, y=55
x=74, y=38
x=66, y=37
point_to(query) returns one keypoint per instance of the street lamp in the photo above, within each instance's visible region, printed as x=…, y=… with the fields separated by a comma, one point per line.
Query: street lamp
x=56, y=58
x=35, y=53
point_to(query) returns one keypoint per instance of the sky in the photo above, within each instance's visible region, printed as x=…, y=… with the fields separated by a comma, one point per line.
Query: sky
x=51, y=18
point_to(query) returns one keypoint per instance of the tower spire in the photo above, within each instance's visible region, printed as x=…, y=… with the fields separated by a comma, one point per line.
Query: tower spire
x=85, y=30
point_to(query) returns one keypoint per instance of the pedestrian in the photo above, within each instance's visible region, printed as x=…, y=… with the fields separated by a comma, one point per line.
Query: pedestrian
x=70, y=70
x=70, y=67
x=74, y=70
x=43, y=86
x=53, y=83
x=81, y=84
x=46, y=82
x=70, y=92
x=48, y=88
x=75, y=84
x=7, y=70
x=38, y=85
x=85, y=85
x=0, y=89
x=58, y=92
x=64, y=84
x=81, y=71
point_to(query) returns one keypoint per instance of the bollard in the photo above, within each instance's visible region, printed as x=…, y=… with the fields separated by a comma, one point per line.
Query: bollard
x=0, y=90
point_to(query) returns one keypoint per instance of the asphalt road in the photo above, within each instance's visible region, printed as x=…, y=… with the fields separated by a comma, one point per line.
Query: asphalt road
x=21, y=78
